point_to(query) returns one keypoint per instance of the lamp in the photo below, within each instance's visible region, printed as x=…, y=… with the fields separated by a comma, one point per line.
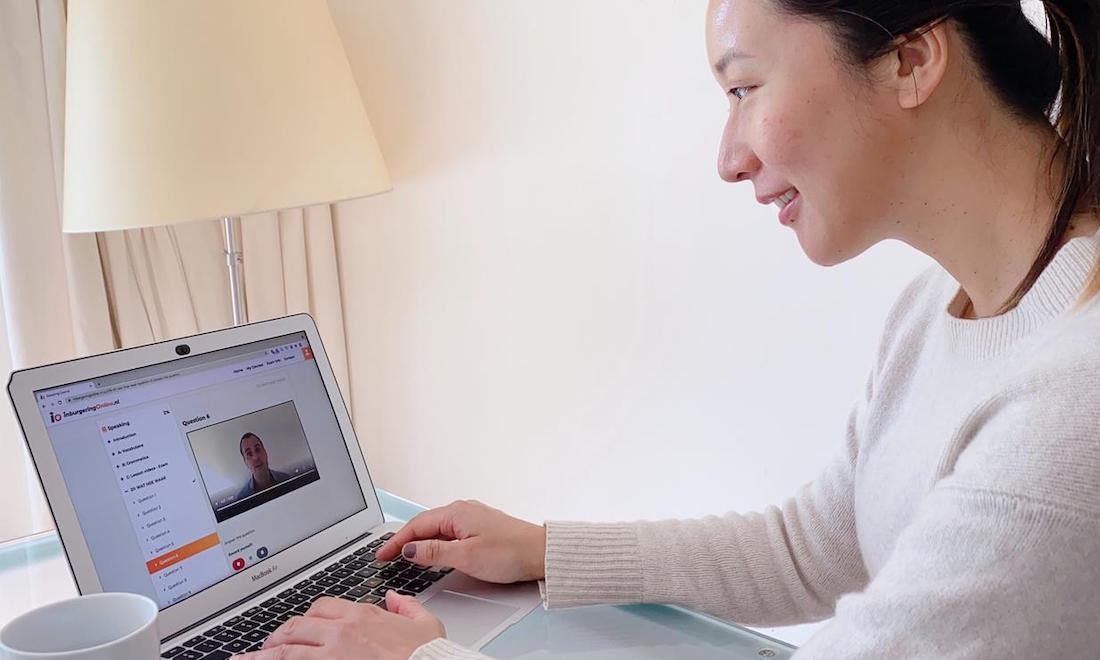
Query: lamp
x=180, y=110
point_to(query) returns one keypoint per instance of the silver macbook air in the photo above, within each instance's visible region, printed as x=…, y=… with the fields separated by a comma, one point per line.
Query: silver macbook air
x=220, y=476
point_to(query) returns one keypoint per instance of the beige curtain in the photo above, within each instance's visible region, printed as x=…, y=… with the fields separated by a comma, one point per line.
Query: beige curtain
x=64, y=295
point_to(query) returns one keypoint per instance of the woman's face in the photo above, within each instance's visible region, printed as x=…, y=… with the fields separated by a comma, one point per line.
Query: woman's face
x=805, y=129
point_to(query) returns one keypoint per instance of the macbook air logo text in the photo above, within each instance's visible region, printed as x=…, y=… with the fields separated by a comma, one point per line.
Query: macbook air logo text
x=264, y=573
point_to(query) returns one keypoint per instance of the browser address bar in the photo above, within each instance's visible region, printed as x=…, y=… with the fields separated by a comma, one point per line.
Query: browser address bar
x=157, y=387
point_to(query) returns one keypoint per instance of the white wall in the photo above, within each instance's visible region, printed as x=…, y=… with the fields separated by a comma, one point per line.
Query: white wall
x=560, y=309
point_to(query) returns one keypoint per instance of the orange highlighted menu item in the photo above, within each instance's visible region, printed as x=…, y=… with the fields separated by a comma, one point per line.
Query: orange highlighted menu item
x=179, y=554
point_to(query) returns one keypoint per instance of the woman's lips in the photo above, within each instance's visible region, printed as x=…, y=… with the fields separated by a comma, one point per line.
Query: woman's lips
x=789, y=204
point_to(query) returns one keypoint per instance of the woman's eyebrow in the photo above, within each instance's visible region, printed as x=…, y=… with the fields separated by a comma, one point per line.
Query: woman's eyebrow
x=729, y=56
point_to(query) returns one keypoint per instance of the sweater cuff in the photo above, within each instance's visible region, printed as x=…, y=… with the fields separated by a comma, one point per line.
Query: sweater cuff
x=444, y=649
x=592, y=564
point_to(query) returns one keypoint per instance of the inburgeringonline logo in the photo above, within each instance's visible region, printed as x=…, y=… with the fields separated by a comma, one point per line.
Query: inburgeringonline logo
x=56, y=417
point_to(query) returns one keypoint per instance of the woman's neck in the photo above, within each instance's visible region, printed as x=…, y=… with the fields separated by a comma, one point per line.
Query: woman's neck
x=984, y=200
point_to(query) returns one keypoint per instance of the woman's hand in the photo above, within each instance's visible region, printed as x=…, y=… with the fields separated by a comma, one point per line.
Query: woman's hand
x=478, y=540
x=337, y=629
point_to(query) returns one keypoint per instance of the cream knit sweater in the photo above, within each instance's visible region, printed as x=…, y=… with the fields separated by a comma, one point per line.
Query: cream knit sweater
x=960, y=519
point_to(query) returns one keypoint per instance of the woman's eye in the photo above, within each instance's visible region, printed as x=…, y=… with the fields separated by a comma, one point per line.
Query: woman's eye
x=740, y=92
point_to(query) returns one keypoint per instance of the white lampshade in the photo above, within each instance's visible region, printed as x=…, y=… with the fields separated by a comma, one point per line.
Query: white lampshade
x=182, y=110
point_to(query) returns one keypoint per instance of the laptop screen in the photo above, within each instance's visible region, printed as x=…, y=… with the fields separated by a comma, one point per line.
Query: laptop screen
x=186, y=472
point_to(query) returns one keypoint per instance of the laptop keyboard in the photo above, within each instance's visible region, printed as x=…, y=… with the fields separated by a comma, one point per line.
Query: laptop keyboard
x=358, y=577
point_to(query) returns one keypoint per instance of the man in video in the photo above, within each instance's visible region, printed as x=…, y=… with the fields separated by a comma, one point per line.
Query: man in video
x=255, y=457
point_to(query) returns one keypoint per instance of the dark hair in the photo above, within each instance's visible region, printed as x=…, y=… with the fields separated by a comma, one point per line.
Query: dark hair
x=248, y=435
x=1023, y=68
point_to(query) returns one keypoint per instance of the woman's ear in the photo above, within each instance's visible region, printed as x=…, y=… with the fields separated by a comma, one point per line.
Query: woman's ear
x=920, y=63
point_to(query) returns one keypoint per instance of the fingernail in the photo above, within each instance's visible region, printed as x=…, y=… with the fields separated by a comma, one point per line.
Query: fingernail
x=409, y=550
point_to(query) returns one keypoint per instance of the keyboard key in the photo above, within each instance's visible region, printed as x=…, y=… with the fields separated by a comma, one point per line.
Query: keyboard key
x=189, y=655
x=208, y=646
x=370, y=583
x=332, y=567
x=214, y=631
x=336, y=590
x=301, y=584
x=236, y=646
x=217, y=655
x=173, y=652
x=255, y=647
x=370, y=600
x=270, y=627
x=369, y=557
x=327, y=581
x=405, y=592
x=285, y=593
x=295, y=599
x=232, y=622
x=245, y=626
x=355, y=565
x=317, y=576
x=418, y=585
x=379, y=565
x=341, y=573
x=352, y=581
x=301, y=609
x=387, y=536
x=282, y=618
x=431, y=576
x=445, y=570
x=358, y=592
x=313, y=590
x=194, y=641
x=368, y=572
x=254, y=636
x=375, y=544
x=346, y=560
x=279, y=608
x=411, y=574
x=264, y=617
x=226, y=636
x=388, y=573
x=348, y=597
x=251, y=612
x=359, y=551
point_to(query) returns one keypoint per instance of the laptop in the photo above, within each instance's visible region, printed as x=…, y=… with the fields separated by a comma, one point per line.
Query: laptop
x=219, y=475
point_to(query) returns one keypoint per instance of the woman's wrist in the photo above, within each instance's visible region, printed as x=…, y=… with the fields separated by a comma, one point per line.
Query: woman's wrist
x=536, y=553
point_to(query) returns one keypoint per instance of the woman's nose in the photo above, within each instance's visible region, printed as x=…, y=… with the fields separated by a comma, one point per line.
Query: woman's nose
x=736, y=161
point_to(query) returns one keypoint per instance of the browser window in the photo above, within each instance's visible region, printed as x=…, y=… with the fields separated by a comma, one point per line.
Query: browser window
x=186, y=472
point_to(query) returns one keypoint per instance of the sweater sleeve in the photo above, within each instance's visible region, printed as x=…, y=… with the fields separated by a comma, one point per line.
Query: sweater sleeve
x=788, y=564
x=1002, y=559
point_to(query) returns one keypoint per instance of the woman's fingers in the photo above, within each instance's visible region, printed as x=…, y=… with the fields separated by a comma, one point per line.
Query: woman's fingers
x=284, y=653
x=431, y=524
x=303, y=630
x=328, y=607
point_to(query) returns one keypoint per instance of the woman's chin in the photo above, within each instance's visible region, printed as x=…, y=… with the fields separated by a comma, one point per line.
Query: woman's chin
x=824, y=250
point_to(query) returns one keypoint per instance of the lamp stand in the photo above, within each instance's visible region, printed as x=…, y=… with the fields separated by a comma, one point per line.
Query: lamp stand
x=233, y=259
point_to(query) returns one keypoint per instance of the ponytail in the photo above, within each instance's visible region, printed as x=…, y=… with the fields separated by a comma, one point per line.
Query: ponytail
x=1075, y=35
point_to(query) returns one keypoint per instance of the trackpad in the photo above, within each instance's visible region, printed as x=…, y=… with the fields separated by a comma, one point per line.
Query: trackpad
x=468, y=620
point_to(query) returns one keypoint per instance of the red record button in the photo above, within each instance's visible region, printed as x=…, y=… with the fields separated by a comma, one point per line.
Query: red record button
x=238, y=564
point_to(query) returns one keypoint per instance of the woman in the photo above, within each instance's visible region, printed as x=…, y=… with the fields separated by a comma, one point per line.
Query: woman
x=962, y=518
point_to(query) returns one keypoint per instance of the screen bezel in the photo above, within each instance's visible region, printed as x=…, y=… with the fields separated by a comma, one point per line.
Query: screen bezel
x=236, y=588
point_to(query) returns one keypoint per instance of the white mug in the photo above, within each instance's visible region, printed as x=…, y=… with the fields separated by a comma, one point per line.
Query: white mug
x=112, y=626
